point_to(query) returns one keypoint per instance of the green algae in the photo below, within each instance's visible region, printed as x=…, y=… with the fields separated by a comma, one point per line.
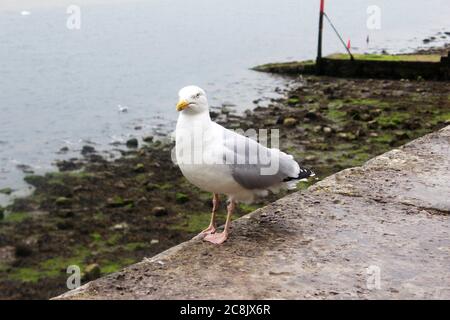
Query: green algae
x=194, y=222
x=16, y=217
x=181, y=197
x=388, y=57
x=50, y=268
x=107, y=266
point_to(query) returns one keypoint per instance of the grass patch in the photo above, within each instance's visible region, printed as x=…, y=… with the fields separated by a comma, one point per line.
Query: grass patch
x=16, y=217
x=50, y=268
x=368, y=102
x=384, y=138
x=110, y=267
x=133, y=246
x=392, y=120
x=113, y=239
x=335, y=115
x=107, y=267
x=96, y=237
x=26, y=275
x=303, y=185
x=56, y=178
x=6, y=191
x=247, y=208
x=388, y=57
x=195, y=222
x=440, y=117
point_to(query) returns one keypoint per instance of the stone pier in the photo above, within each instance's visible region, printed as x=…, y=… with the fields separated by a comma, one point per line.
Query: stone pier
x=379, y=231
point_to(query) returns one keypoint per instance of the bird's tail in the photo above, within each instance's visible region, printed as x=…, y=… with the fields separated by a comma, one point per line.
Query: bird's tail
x=303, y=175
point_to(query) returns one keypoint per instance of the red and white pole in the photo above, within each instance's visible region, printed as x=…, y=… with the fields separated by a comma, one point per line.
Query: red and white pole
x=319, y=45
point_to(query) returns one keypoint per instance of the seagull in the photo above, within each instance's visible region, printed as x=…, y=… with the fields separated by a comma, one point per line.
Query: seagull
x=122, y=109
x=222, y=161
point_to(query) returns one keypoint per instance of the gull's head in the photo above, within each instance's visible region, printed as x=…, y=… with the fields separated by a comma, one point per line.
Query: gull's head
x=192, y=99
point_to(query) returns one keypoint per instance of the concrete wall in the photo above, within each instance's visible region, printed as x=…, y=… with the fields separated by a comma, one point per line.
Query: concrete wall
x=366, y=69
x=380, y=231
x=385, y=69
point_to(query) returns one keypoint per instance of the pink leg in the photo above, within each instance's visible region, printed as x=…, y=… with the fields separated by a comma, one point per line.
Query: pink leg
x=219, y=238
x=212, y=225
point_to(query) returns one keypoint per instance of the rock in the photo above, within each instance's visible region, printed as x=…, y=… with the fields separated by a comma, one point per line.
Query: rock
x=401, y=135
x=25, y=168
x=373, y=124
x=346, y=135
x=292, y=101
x=398, y=93
x=138, y=128
x=119, y=184
x=360, y=132
x=159, y=211
x=62, y=201
x=6, y=191
x=151, y=186
x=327, y=130
x=270, y=122
x=290, y=122
x=87, y=150
x=225, y=110
x=68, y=165
x=64, y=150
x=310, y=158
x=2, y=213
x=23, y=250
x=354, y=114
x=65, y=213
x=141, y=201
x=65, y=225
x=116, y=143
x=366, y=117
x=412, y=124
x=120, y=226
x=375, y=112
x=148, y=139
x=279, y=120
x=234, y=125
x=329, y=91
x=118, y=202
x=154, y=241
x=311, y=115
x=92, y=272
x=7, y=255
x=95, y=158
x=181, y=197
x=213, y=114
x=317, y=128
x=132, y=143
x=139, y=167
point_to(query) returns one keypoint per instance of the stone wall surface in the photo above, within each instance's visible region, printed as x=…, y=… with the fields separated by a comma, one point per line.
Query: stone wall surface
x=372, y=232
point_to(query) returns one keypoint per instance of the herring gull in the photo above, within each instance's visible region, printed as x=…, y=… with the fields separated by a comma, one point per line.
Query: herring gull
x=221, y=161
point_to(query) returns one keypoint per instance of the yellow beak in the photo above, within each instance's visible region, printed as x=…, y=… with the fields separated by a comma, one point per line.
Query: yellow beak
x=182, y=104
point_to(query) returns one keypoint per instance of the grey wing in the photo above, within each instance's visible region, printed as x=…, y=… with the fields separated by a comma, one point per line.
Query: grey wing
x=255, y=166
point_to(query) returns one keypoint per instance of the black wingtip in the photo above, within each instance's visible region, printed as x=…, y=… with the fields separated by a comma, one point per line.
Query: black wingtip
x=304, y=174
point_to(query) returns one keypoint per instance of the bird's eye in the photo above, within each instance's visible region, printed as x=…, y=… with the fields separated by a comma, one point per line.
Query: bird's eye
x=196, y=96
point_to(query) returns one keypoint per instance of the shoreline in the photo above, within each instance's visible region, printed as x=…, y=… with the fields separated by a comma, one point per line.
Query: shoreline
x=139, y=204
x=113, y=149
